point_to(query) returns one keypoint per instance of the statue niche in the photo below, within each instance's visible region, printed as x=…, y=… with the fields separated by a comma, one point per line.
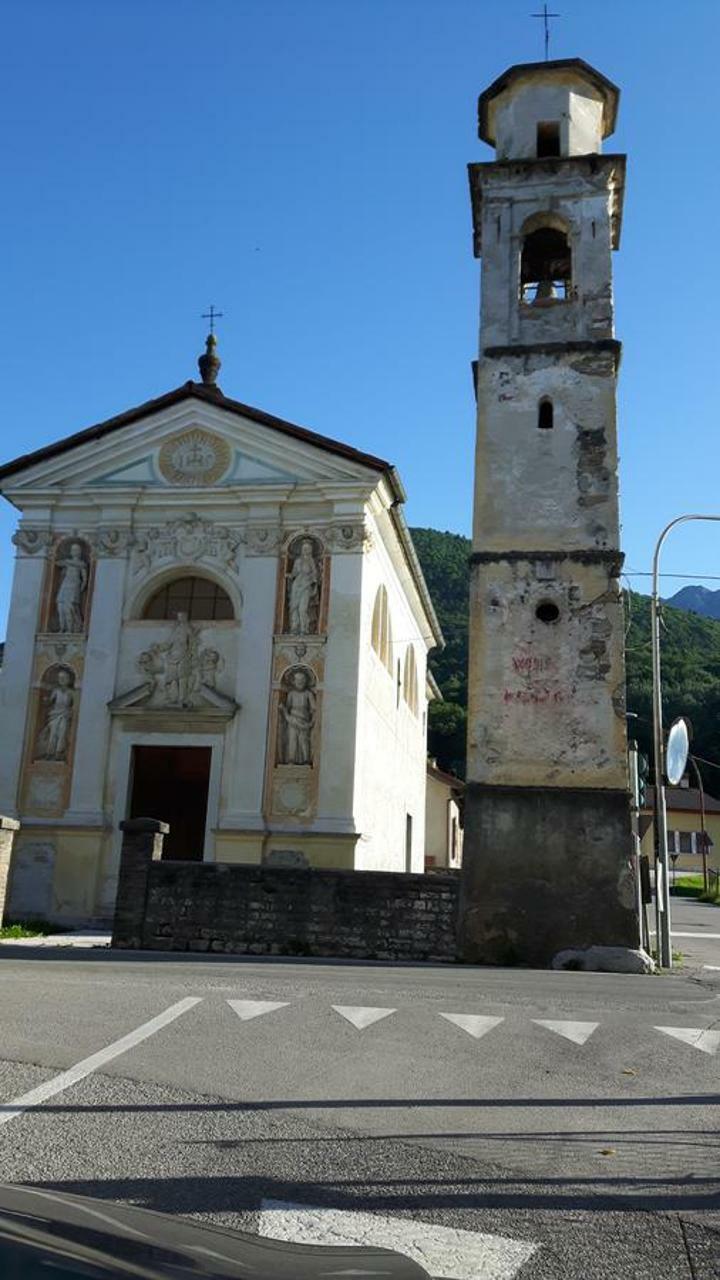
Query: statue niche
x=57, y=708
x=69, y=593
x=296, y=717
x=303, y=579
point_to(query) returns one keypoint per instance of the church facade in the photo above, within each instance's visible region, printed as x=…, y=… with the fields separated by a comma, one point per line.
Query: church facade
x=217, y=619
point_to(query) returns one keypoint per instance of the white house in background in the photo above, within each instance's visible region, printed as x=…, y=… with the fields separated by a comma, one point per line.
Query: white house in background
x=217, y=619
x=443, y=819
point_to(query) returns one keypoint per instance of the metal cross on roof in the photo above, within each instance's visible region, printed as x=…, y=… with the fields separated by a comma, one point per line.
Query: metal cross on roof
x=212, y=315
x=545, y=15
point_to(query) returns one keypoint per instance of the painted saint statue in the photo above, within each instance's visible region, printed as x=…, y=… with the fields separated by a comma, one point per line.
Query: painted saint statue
x=298, y=712
x=55, y=734
x=71, y=589
x=304, y=591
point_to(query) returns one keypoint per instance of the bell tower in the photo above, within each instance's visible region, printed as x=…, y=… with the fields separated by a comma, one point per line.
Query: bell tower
x=547, y=835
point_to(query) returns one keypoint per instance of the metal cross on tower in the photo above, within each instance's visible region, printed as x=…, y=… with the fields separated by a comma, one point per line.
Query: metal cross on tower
x=546, y=15
x=212, y=315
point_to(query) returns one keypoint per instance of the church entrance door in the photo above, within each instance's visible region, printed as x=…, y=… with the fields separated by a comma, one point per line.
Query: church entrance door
x=171, y=783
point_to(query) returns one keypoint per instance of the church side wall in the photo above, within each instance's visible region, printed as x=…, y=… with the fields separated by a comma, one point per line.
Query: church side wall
x=391, y=751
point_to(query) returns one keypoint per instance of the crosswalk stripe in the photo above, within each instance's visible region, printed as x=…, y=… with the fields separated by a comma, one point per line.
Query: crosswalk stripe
x=474, y=1023
x=247, y=1009
x=360, y=1016
x=449, y=1252
x=577, y=1032
x=699, y=1037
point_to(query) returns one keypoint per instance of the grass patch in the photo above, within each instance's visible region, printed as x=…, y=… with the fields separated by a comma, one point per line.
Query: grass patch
x=30, y=929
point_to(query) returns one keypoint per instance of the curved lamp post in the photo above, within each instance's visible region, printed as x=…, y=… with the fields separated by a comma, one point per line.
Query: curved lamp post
x=662, y=881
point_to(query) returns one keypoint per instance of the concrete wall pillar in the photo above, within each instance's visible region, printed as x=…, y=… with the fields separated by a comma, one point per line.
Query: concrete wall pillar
x=8, y=827
x=142, y=844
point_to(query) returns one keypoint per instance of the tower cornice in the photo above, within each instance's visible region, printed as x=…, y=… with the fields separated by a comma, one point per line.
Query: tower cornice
x=496, y=179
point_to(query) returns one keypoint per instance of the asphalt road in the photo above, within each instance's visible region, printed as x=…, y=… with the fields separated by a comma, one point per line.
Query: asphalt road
x=214, y=1087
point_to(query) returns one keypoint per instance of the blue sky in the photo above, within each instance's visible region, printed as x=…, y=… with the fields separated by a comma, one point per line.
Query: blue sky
x=301, y=164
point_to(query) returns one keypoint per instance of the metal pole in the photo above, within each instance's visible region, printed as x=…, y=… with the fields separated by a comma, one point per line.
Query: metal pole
x=662, y=877
x=701, y=789
x=635, y=787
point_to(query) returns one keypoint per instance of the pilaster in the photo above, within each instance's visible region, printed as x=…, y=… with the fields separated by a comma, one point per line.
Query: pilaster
x=16, y=674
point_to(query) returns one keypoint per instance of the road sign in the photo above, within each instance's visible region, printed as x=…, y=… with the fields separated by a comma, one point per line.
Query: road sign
x=676, y=753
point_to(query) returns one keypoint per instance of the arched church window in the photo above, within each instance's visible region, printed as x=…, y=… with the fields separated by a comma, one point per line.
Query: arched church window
x=410, y=685
x=545, y=266
x=381, y=635
x=199, y=598
x=545, y=414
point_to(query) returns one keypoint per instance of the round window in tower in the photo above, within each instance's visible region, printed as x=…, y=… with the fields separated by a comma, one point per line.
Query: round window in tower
x=547, y=612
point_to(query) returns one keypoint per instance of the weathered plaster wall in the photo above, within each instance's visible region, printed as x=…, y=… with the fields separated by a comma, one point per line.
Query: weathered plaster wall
x=567, y=475
x=391, y=738
x=578, y=108
x=547, y=700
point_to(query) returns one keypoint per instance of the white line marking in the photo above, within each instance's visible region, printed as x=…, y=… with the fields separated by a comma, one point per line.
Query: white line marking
x=247, y=1009
x=9, y=1110
x=447, y=1253
x=700, y=1038
x=475, y=1024
x=675, y=934
x=578, y=1032
x=715, y=967
x=361, y=1017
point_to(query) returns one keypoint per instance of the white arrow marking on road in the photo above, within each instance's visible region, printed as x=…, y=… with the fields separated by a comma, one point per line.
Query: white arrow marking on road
x=247, y=1009
x=447, y=1253
x=705, y=1040
x=360, y=1016
x=578, y=1032
x=475, y=1024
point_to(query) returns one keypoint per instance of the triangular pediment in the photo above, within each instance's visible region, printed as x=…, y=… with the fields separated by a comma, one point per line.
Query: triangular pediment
x=190, y=441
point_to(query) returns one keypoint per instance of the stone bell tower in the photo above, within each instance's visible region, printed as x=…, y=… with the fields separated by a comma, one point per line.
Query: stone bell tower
x=547, y=836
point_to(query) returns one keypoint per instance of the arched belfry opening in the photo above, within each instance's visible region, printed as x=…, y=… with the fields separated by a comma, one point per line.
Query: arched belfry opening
x=545, y=265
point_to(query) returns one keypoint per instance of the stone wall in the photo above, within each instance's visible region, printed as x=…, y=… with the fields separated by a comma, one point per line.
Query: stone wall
x=262, y=910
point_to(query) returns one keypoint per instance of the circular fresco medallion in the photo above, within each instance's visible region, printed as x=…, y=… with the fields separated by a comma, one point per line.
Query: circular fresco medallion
x=194, y=458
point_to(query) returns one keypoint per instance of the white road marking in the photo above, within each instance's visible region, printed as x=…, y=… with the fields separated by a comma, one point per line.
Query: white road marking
x=247, y=1009
x=447, y=1253
x=675, y=934
x=9, y=1110
x=474, y=1023
x=578, y=1032
x=360, y=1016
x=714, y=967
x=700, y=1038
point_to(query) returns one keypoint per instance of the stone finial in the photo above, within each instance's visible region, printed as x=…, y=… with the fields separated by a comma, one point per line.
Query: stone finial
x=209, y=362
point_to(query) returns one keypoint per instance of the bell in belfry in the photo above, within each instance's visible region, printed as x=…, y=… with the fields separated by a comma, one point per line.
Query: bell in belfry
x=545, y=291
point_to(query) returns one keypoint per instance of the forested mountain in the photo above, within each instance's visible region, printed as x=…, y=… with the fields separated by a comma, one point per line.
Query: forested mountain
x=697, y=599
x=690, y=661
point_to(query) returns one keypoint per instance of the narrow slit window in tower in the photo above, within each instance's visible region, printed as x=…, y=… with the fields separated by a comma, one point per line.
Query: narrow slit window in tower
x=548, y=138
x=545, y=415
x=545, y=266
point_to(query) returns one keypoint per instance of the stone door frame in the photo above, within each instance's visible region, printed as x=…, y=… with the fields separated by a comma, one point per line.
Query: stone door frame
x=130, y=739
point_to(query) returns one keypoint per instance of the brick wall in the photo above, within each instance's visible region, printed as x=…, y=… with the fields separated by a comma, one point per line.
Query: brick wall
x=255, y=910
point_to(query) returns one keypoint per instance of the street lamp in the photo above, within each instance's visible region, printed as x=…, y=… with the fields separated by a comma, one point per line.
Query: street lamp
x=662, y=880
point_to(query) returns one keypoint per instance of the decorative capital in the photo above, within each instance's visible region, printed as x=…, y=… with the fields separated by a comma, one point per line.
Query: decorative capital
x=262, y=540
x=111, y=542
x=31, y=542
